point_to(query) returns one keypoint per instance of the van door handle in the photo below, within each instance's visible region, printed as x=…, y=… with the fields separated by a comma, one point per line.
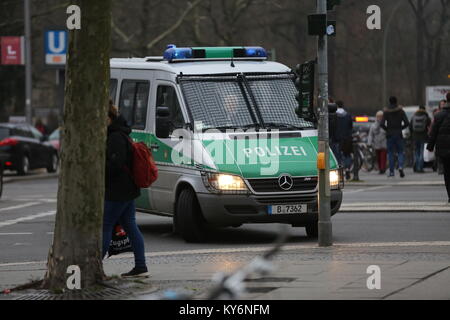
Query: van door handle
x=154, y=146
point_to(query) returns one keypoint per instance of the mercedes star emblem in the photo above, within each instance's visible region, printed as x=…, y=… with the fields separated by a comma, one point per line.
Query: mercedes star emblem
x=285, y=181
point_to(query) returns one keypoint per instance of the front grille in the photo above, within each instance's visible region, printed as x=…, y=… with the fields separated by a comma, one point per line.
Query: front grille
x=287, y=199
x=271, y=184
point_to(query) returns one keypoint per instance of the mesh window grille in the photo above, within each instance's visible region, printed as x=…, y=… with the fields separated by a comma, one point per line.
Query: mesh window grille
x=217, y=103
x=224, y=101
x=275, y=98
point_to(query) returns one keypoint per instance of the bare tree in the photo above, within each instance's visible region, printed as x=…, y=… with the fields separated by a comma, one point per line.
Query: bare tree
x=77, y=236
x=428, y=43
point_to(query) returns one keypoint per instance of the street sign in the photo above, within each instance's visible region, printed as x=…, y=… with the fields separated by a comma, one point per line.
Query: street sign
x=12, y=50
x=55, y=47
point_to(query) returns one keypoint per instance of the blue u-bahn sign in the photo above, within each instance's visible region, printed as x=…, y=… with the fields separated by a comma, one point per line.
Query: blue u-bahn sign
x=56, y=42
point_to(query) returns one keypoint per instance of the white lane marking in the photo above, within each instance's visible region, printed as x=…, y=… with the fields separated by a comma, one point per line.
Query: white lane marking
x=20, y=206
x=263, y=249
x=32, y=217
x=365, y=189
x=16, y=234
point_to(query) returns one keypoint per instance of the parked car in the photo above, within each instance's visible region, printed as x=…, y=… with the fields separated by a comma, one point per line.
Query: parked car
x=54, y=139
x=361, y=126
x=25, y=148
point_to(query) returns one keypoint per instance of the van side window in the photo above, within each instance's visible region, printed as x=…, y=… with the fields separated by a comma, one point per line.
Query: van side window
x=112, y=89
x=133, y=102
x=167, y=97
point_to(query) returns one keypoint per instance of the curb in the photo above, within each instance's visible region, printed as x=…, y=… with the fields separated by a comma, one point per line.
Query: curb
x=368, y=208
x=30, y=177
x=405, y=183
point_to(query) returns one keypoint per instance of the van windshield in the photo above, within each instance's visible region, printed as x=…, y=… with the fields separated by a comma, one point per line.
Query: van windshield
x=243, y=101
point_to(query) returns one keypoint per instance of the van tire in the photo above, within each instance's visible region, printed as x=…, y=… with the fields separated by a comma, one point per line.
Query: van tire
x=312, y=230
x=188, y=219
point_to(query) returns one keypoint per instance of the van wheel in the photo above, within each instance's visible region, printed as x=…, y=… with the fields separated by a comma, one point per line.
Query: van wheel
x=24, y=166
x=188, y=219
x=312, y=230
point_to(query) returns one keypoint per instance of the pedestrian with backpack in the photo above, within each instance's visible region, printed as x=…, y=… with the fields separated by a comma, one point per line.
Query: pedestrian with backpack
x=440, y=138
x=393, y=122
x=121, y=190
x=420, y=122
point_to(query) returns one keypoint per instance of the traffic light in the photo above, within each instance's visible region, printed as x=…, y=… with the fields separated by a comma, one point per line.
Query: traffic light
x=304, y=83
x=319, y=26
x=332, y=3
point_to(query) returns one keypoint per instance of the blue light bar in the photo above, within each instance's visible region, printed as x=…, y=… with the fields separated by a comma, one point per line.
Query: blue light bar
x=174, y=53
x=255, y=52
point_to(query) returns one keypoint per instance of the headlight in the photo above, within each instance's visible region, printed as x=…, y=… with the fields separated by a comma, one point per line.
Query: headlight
x=334, y=179
x=224, y=182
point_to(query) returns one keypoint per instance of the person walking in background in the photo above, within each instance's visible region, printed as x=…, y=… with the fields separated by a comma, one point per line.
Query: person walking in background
x=442, y=104
x=40, y=126
x=438, y=163
x=377, y=139
x=120, y=191
x=393, y=122
x=419, y=125
x=344, y=131
x=440, y=139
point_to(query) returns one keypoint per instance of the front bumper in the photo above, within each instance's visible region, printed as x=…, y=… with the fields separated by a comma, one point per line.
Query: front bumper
x=233, y=210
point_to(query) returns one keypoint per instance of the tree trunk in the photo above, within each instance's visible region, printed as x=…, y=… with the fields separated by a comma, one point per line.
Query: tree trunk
x=78, y=229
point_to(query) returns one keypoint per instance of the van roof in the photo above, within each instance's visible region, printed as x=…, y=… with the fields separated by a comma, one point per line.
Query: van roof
x=199, y=67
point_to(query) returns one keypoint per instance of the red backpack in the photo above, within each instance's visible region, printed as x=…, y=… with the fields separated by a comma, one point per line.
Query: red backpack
x=144, y=171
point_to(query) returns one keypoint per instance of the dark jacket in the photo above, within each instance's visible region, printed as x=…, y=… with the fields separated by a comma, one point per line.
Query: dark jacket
x=394, y=121
x=344, y=125
x=421, y=115
x=440, y=133
x=119, y=185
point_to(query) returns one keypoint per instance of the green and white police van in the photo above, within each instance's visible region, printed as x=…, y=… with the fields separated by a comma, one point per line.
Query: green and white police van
x=229, y=147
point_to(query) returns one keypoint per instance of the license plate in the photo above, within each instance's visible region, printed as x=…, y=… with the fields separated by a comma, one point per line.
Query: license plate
x=287, y=209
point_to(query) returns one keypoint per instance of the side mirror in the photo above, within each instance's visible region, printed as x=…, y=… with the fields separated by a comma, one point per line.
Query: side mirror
x=162, y=122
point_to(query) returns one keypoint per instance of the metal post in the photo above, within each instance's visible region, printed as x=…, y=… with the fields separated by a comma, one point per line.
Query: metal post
x=325, y=227
x=28, y=84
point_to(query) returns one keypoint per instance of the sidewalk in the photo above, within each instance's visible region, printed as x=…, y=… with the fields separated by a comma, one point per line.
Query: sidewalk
x=373, y=178
x=418, y=270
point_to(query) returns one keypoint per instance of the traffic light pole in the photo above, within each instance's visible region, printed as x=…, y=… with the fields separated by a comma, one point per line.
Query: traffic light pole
x=324, y=223
x=28, y=85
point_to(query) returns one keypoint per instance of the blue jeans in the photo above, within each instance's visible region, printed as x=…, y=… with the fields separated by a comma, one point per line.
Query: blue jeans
x=418, y=155
x=395, y=142
x=123, y=213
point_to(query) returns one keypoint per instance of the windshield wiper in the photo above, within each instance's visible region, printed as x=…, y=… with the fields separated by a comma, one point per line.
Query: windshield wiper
x=247, y=126
x=275, y=125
